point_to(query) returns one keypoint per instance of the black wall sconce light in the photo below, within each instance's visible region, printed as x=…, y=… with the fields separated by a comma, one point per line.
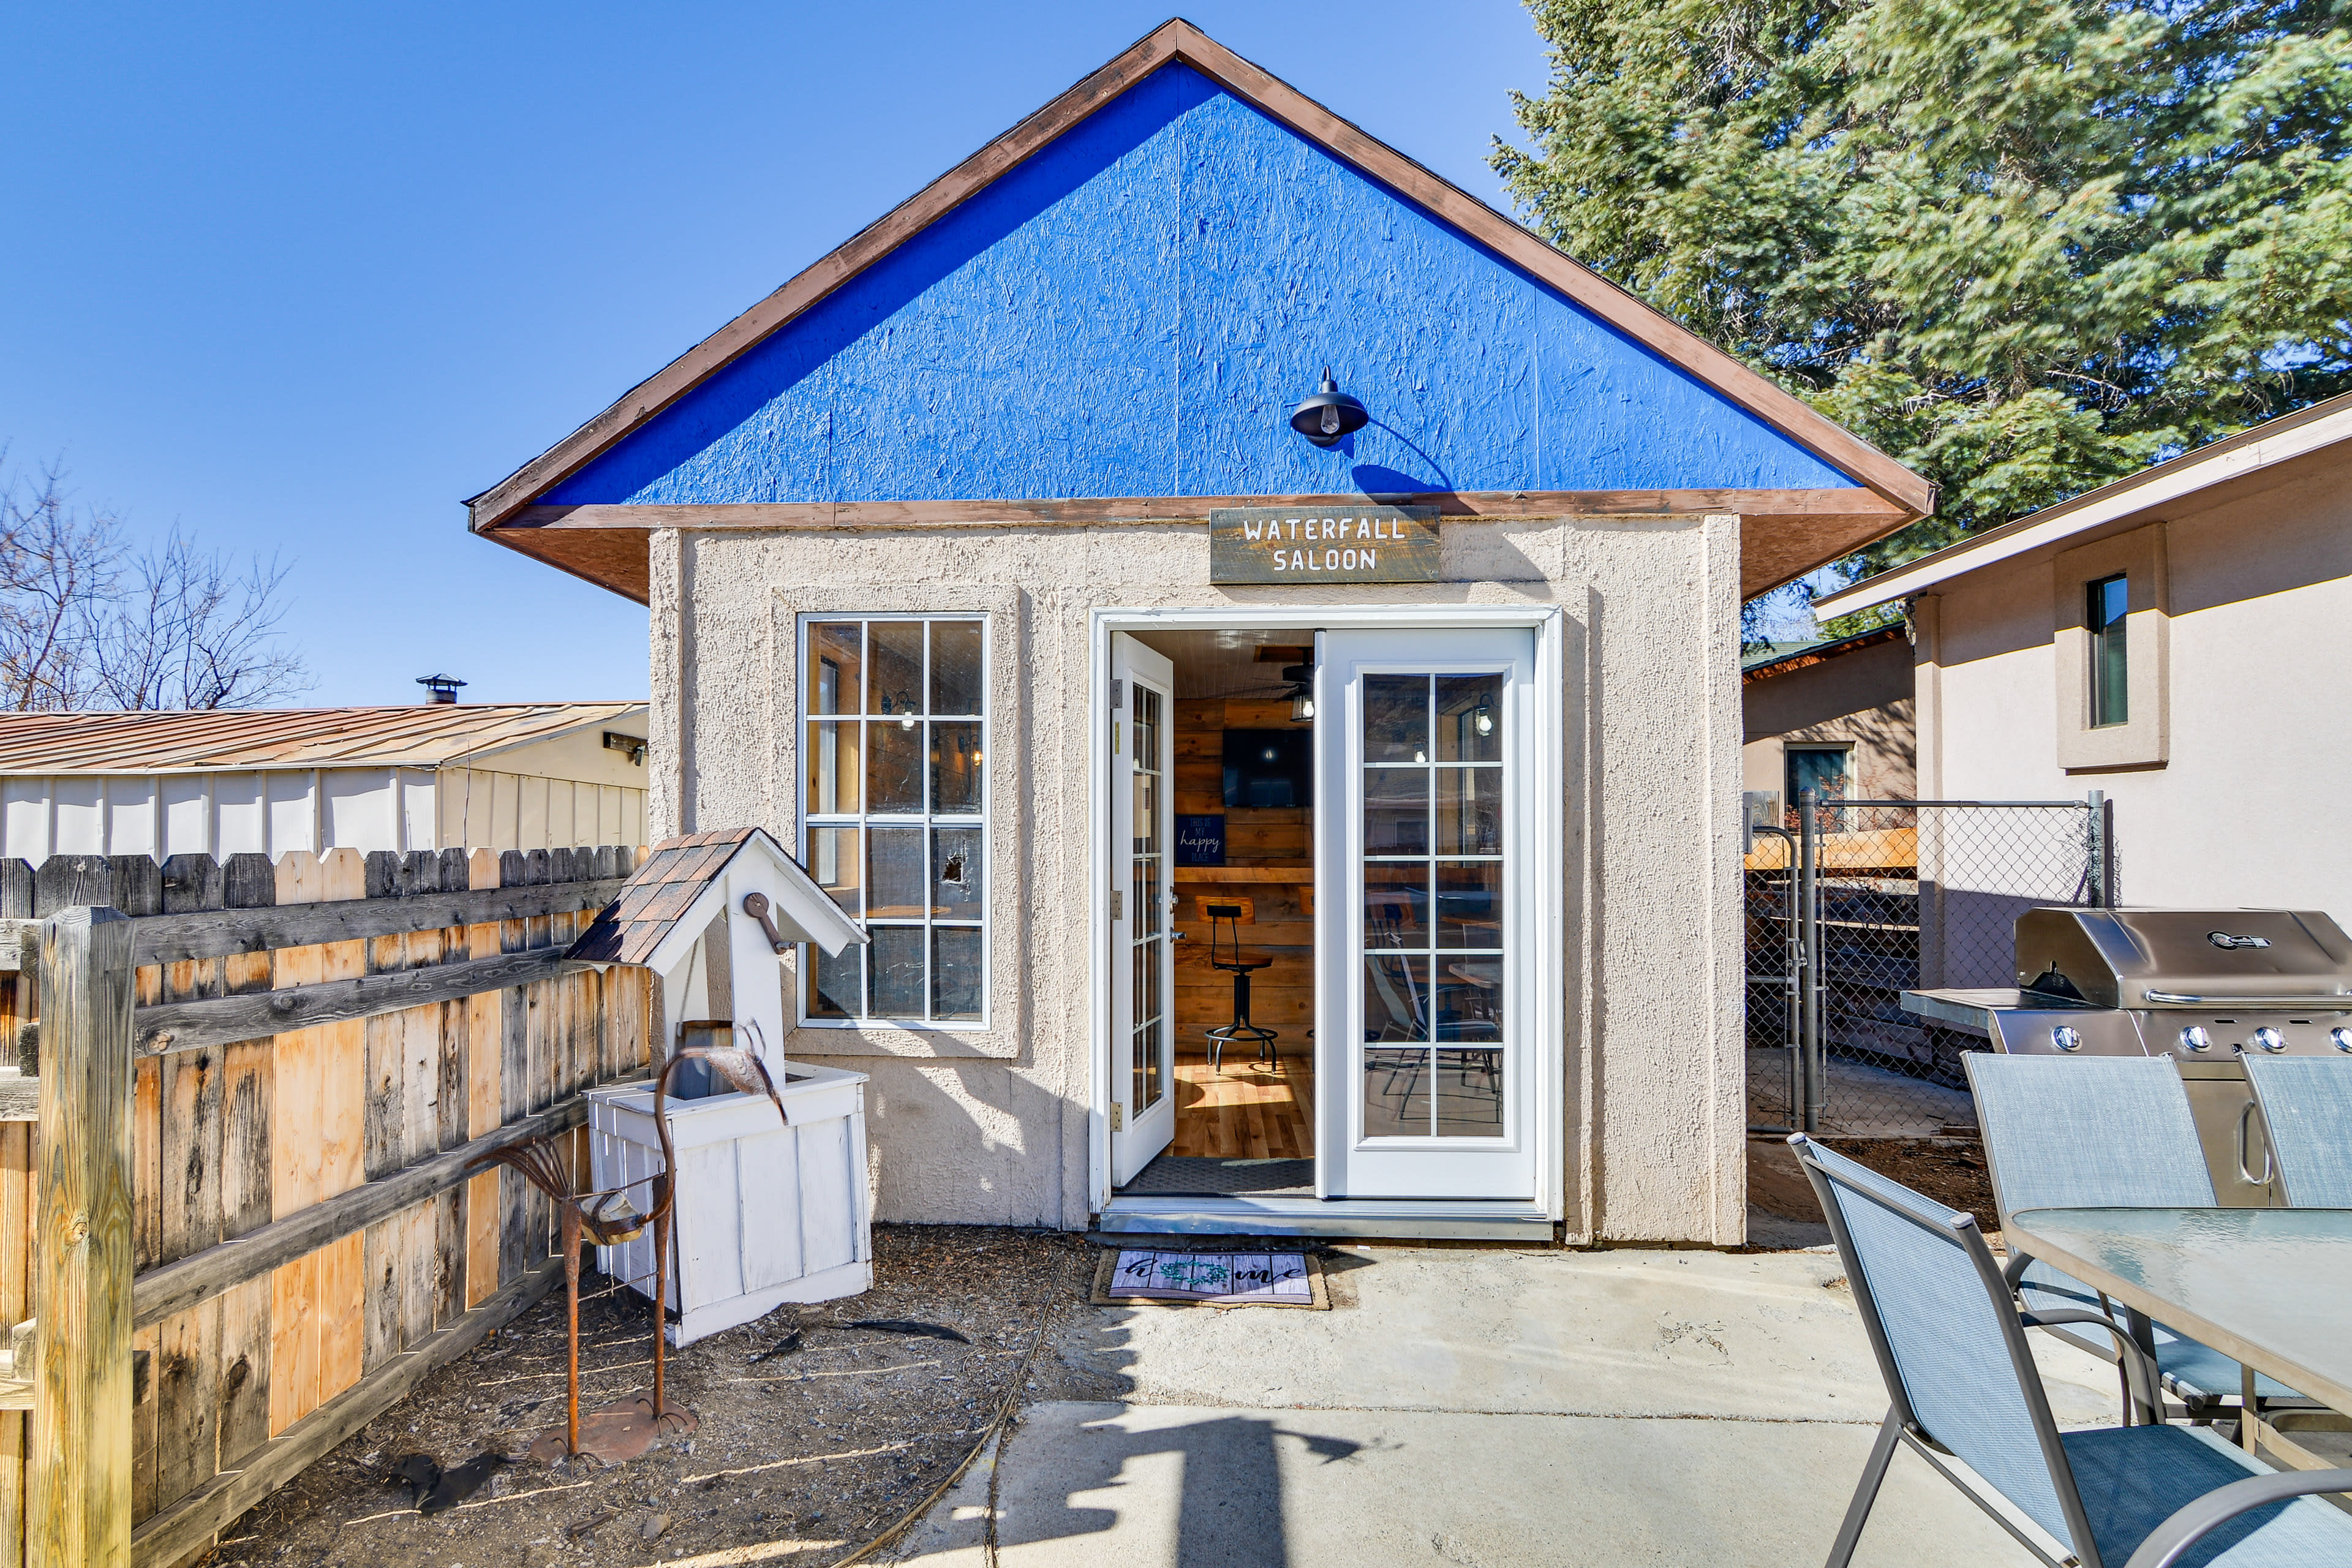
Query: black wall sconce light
x=1328, y=414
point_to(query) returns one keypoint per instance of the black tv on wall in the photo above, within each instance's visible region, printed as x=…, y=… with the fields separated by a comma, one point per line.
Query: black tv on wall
x=1269, y=767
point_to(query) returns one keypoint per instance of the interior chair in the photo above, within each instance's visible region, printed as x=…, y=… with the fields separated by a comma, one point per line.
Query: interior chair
x=1950, y=1343
x=2307, y=1111
x=1240, y=968
x=2107, y=1133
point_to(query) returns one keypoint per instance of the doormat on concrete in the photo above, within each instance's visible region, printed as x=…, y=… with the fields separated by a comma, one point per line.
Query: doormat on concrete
x=1142, y=1277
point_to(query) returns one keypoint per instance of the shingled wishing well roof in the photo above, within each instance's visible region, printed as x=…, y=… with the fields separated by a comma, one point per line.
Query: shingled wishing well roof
x=673, y=890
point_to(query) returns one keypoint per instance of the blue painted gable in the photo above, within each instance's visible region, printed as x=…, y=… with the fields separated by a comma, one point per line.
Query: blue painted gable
x=1134, y=311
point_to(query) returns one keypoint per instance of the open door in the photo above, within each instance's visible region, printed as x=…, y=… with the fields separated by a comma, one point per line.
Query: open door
x=1142, y=962
x=1424, y=886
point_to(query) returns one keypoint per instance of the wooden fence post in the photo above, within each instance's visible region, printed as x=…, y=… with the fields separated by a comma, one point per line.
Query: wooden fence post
x=78, y=1490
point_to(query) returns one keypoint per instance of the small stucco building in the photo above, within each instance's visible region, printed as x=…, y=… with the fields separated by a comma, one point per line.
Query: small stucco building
x=1190, y=568
x=2173, y=639
x=1834, y=716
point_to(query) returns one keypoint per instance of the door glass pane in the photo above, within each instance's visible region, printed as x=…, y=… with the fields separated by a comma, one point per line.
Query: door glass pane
x=1470, y=717
x=895, y=873
x=1396, y=998
x=895, y=650
x=1396, y=811
x=1470, y=904
x=894, y=766
x=1396, y=718
x=833, y=771
x=955, y=667
x=955, y=768
x=1469, y=1085
x=896, y=953
x=955, y=972
x=836, y=982
x=1469, y=811
x=834, y=666
x=955, y=871
x=1396, y=905
x=838, y=869
x=1396, y=1093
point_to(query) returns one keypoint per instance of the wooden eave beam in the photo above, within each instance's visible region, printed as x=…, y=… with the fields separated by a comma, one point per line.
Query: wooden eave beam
x=1179, y=41
x=1784, y=533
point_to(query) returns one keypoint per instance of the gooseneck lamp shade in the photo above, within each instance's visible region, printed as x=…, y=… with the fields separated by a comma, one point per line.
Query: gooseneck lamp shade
x=1328, y=414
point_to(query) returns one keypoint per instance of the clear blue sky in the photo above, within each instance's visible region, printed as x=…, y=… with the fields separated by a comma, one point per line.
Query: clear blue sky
x=301, y=278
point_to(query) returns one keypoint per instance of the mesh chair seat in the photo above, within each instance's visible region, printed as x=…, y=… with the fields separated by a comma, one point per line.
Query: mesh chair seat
x=2132, y=1478
x=2307, y=1111
x=2192, y=1370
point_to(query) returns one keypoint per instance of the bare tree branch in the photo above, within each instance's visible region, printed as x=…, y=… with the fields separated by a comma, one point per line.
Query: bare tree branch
x=85, y=623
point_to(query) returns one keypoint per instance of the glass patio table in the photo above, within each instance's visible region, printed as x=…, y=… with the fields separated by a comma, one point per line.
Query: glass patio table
x=2268, y=1288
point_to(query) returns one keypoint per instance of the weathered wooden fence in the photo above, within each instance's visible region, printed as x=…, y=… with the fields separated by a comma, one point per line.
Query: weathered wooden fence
x=317, y=1050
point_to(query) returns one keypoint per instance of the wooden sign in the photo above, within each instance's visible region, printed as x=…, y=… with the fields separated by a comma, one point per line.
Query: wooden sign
x=1200, y=840
x=1335, y=544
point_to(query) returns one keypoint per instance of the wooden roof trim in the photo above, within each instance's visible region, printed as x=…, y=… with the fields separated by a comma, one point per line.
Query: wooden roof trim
x=1089, y=509
x=1821, y=653
x=1178, y=41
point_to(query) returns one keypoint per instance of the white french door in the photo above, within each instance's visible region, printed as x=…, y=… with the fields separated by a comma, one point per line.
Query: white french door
x=1142, y=960
x=1424, y=828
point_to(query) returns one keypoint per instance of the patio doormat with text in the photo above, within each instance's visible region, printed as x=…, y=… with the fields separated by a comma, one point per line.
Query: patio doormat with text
x=1145, y=1276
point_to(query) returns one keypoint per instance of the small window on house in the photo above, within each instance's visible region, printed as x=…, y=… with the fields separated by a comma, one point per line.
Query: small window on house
x=1822, y=769
x=894, y=825
x=2102, y=615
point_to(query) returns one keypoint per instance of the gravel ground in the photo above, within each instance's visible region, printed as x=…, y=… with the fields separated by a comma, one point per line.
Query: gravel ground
x=825, y=1445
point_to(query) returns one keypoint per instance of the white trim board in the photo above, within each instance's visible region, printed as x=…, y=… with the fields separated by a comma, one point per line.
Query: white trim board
x=2234, y=456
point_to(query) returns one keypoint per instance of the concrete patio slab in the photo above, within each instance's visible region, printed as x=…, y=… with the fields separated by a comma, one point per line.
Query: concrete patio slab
x=1483, y=1407
x=1207, y=1487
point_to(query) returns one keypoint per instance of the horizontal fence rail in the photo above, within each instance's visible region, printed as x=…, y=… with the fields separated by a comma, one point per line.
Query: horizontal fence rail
x=315, y=1052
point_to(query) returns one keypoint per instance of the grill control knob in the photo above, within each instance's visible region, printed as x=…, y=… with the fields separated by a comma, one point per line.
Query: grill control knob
x=2341, y=1037
x=2066, y=1037
x=2195, y=1039
x=2270, y=1039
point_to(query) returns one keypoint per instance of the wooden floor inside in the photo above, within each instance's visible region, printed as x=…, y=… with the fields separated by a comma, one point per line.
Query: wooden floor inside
x=1247, y=1112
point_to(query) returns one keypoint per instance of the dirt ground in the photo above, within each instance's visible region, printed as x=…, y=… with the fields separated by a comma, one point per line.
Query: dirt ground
x=1949, y=1169
x=825, y=1445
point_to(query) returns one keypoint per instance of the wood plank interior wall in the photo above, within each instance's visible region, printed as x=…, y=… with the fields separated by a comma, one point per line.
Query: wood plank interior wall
x=230, y=1138
x=1280, y=920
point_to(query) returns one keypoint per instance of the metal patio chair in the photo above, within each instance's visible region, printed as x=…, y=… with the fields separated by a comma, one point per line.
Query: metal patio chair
x=2105, y=1132
x=2307, y=1111
x=1950, y=1343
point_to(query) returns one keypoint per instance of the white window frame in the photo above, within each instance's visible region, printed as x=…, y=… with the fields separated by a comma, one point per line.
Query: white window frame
x=927, y=820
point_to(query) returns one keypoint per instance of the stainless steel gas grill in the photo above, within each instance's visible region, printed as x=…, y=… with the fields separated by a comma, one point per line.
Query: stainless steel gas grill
x=2201, y=986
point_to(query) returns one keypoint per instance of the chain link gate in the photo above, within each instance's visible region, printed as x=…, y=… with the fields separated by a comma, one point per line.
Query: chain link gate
x=1850, y=903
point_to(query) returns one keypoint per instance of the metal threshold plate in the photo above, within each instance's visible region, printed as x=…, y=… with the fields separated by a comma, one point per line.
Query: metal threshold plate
x=1406, y=1219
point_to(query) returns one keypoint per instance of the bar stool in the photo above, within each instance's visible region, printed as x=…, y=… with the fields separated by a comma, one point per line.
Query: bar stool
x=1240, y=968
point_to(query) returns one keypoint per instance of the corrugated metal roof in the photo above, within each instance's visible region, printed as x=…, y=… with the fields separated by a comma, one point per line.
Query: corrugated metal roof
x=224, y=739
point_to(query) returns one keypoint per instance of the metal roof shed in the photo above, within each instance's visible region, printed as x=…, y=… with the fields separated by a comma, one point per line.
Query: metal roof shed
x=223, y=783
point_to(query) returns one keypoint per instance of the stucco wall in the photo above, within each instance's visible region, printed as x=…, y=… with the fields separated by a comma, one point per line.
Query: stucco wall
x=2259, y=593
x=1861, y=699
x=993, y=1127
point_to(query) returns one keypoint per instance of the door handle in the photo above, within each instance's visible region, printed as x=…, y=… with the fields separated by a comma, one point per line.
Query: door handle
x=2245, y=1126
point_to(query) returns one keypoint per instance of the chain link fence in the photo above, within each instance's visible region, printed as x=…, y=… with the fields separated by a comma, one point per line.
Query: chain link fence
x=1852, y=903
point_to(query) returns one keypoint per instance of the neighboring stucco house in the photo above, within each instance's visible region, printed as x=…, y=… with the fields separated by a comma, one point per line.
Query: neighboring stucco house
x=1833, y=716
x=1019, y=567
x=262, y=781
x=2174, y=639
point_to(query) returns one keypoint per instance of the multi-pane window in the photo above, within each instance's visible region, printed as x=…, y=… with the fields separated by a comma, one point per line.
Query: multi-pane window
x=895, y=822
x=2107, y=601
x=1433, y=930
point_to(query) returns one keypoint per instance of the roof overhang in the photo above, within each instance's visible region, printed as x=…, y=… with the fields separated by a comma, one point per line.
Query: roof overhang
x=2250, y=451
x=1783, y=534
x=1789, y=533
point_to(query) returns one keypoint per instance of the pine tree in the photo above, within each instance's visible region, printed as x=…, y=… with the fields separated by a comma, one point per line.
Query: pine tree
x=2025, y=246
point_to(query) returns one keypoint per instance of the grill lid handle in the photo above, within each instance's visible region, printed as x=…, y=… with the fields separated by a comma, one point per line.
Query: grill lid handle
x=2337, y=1002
